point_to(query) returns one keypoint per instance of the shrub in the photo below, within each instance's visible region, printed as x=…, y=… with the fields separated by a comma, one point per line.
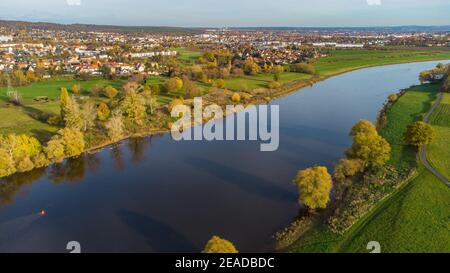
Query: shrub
x=111, y=92
x=14, y=97
x=303, y=68
x=236, y=97
x=274, y=85
x=174, y=103
x=76, y=88
x=103, y=111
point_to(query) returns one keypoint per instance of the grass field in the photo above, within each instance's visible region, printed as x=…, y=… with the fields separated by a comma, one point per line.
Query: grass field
x=51, y=88
x=261, y=80
x=411, y=107
x=438, y=153
x=343, y=60
x=415, y=218
x=186, y=54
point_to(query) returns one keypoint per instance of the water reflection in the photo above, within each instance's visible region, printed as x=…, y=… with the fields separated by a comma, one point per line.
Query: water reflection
x=74, y=169
x=12, y=185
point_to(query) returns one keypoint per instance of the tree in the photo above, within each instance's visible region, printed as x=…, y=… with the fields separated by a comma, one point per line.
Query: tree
x=151, y=100
x=250, y=67
x=277, y=70
x=21, y=149
x=115, y=127
x=64, y=102
x=419, y=133
x=55, y=150
x=219, y=245
x=73, y=141
x=368, y=145
x=76, y=88
x=7, y=165
x=347, y=168
x=111, y=92
x=191, y=89
x=314, y=185
x=173, y=84
x=103, y=111
x=89, y=114
x=133, y=106
x=363, y=126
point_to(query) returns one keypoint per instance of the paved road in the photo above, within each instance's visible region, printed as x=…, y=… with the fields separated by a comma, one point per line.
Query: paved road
x=423, y=150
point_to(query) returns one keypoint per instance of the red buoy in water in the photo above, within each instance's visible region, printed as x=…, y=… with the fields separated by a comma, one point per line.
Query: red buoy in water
x=42, y=212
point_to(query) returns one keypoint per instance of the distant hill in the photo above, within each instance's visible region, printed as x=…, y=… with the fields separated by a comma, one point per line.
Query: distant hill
x=89, y=27
x=392, y=29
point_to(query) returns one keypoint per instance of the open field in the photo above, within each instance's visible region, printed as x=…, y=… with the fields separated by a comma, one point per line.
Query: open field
x=186, y=54
x=411, y=107
x=415, y=217
x=438, y=153
x=261, y=80
x=51, y=88
x=339, y=61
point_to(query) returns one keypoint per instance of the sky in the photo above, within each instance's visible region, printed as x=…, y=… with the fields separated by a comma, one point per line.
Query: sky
x=231, y=13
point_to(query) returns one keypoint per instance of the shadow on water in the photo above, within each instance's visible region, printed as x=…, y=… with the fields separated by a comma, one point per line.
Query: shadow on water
x=247, y=182
x=161, y=237
x=12, y=185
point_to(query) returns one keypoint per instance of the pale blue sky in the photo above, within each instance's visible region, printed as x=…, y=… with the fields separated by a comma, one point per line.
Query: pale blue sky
x=222, y=13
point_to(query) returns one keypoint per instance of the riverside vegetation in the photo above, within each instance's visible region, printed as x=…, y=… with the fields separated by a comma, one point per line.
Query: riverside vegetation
x=381, y=191
x=93, y=112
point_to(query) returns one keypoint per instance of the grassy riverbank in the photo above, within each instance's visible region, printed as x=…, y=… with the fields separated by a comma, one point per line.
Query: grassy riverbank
x=414, y=217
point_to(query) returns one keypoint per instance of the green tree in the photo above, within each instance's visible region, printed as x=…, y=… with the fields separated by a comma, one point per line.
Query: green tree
x=314, y=185
x=219, y=245
x=419, y=133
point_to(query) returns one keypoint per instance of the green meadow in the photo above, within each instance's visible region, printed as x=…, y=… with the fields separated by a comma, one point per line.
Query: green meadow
x=415, y=217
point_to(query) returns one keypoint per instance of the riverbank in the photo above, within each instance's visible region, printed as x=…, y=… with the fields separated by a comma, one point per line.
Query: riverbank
x=397, y=221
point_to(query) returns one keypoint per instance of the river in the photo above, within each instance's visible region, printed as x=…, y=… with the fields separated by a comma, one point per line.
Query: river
x=157, y=195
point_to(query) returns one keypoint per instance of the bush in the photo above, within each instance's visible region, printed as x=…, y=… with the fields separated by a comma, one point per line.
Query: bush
x=14, y=97
x=111, y=92
x=103, y=111
x=274, y=85
x=303, y=68
x=236, y=97
x=174, y=103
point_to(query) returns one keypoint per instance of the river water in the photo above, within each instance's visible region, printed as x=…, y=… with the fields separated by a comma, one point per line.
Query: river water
x=157, y=195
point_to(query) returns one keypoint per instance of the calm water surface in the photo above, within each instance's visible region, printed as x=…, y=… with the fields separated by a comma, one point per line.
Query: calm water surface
x=158, y=195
